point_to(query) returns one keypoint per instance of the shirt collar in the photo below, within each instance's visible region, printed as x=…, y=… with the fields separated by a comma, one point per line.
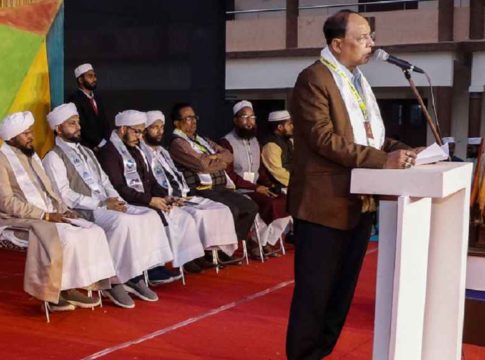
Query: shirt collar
x=90, y=94
x=73, y=145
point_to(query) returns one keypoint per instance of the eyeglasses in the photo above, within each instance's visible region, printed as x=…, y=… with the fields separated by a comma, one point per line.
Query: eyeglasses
x=190, y=118
x=137, y=132
x=366, y=38
x=247, y=117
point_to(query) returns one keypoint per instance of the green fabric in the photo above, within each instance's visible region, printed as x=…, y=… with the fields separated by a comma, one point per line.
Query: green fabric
x=18, y=50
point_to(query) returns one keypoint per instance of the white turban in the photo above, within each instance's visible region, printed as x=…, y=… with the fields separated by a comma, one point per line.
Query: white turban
x=474, y=140
x=241, y=104
x=60, y=114
x=15, y=124
x=449, y=140
x=130, y=118
x=279, y=115
x=82, y=69
x=153, y=116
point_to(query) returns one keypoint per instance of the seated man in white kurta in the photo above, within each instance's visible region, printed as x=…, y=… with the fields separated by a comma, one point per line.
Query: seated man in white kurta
x=214, y=220
x=130, y=174
x=135, y=234
x=61, y=257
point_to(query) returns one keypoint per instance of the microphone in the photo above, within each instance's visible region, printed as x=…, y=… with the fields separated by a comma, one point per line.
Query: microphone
x=382, y=55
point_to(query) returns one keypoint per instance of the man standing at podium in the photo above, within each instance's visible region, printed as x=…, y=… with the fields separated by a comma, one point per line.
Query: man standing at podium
x=337, y=127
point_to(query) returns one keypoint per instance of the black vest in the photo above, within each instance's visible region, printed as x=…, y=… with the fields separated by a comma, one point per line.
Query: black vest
x=286, y=149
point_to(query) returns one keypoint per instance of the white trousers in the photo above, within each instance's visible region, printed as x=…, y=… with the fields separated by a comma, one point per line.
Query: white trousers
x=86, y=257
x=215, y=224
x=184, y=237
x=136, y=238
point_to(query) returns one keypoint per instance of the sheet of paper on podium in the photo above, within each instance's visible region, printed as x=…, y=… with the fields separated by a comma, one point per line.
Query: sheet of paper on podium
x=433, y=153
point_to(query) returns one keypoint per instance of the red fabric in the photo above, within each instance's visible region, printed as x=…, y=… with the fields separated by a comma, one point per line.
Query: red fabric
x=270, y=208
x=252, y=330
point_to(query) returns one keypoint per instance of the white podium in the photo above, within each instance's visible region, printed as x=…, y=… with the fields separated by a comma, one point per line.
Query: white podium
x=423, y=244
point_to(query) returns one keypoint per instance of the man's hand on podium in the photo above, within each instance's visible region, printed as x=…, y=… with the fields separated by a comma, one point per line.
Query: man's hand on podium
x=400, y=159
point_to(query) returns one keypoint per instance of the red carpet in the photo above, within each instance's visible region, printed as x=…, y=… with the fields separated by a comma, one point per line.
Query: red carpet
x=239, y=314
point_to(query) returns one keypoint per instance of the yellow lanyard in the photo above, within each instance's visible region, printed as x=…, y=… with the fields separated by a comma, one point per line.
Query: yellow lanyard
x=201, y=147
x=353, y=90
x=357, y=97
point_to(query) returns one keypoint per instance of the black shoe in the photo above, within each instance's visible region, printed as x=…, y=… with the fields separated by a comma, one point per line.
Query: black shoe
x=162, y=275
x=204, y=263
x=228, y=260
x=192, y=267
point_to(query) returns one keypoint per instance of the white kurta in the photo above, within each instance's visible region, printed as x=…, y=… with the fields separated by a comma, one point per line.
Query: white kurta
x=270, y=234
x=86, y=256
x=184, y=237
x=215, y=224
x=137, y=240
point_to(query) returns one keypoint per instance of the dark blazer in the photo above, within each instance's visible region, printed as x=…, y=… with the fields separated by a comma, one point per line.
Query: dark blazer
x=325, y=154
x=94, y=128
x=112, y=163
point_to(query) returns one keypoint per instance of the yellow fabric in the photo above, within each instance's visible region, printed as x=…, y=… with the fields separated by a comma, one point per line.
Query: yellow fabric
x=271, y=156
x=34, y=96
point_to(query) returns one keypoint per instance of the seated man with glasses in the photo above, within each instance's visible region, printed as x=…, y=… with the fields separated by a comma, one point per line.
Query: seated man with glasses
x=251, y=178
x=203, y=164
x=132, y=177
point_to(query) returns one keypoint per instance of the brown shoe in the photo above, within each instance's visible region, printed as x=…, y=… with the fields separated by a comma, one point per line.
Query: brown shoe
x=77, y=298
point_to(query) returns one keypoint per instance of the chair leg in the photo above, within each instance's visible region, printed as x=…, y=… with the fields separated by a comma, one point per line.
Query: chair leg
x=145, y=275
x=282, y=244
x=90, y=294
x=100, y=299
x=260, y=246
x=245, y=251
x=183, y=275
x=215, y=260
x=46, y=308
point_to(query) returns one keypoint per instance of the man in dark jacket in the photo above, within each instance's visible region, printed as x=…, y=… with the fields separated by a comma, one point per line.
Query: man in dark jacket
x=95, y=128
x=131, y=175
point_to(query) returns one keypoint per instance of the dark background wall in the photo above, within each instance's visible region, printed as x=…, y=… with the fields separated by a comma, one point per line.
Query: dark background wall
x=150, y=54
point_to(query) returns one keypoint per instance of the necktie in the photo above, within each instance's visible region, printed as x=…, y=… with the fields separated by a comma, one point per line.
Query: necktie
x=93, y=105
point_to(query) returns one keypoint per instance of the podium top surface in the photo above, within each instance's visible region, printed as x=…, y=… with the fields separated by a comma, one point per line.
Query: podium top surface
x=433, y=180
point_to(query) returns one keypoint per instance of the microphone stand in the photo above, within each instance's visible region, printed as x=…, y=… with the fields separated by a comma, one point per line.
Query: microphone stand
x=432, y=125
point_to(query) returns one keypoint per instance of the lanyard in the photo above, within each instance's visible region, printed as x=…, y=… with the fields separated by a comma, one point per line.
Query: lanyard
x=357, y=97
x=353, y=90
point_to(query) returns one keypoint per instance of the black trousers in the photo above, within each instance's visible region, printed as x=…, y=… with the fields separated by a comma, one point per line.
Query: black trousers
x=243, y=209
x=327, y=266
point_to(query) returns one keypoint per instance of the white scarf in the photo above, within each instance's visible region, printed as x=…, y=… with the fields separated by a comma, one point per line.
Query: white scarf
x=205, y=179
x=161, y=162
x=30, y=191
x=130, y=170
x=356, y=115
x=86, y=168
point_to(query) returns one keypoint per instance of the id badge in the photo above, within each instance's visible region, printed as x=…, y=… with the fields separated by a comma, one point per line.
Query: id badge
x=249, y=176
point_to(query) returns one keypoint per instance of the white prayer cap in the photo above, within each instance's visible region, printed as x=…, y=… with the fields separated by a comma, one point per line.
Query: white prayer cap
x=82, y=69
x=130, y=118
x=449, y=140
x=474, y=140
x=279, y=115
x=153, y=116
x=60, y=114
x=241, y=104
x=15, y=124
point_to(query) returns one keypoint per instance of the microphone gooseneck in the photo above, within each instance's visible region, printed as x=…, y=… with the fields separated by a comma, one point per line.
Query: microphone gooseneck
x=382, y=55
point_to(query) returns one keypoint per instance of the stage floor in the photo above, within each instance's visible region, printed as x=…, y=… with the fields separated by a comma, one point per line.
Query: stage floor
x=239, y=314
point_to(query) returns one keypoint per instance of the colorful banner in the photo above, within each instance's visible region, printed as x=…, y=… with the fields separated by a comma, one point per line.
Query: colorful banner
x=31, y=65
